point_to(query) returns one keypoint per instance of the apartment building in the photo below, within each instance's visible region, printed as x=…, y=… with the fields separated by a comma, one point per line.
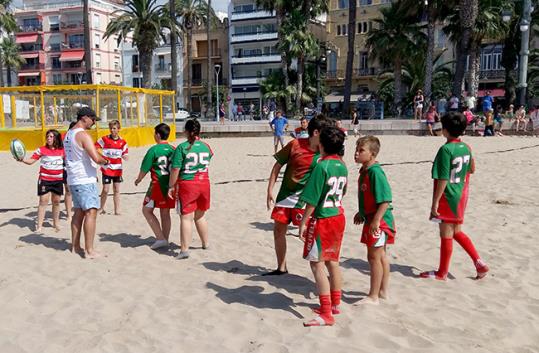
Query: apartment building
x=161, y=67
x=219, y=55
x=51, y=38
x=253, y=51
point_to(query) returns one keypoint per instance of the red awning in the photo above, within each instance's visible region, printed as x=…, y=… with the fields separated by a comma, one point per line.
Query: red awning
x=29, y=74
x=29, y=55
x=26, y=38
x=495, y=92
x=72, y=55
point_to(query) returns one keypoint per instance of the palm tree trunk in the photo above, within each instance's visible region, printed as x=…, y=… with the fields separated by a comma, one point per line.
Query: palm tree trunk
x=173, y=50
x=284, y=60
x=397, y=74
x=349, y=56
x=473, y=70
x=301, y=69
x=146, y=64
x=1, y=70
x=189, y=68
x=429, y=65
x=87, y=47
x=8, y=72
x=468, y=15
x=209, y=70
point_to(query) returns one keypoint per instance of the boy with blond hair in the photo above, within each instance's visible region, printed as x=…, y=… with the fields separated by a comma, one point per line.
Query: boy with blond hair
x=323, y=236
x=451, y=172
x=115, y=150
x=375, y=212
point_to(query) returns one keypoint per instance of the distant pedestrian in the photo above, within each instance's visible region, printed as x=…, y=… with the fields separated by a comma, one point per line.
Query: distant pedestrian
x=442, y=106
x=234, y=112
x=471, y=102
x=222, y=114
x=279, y=126
x=251, y=111
x=453, y=103
x=419, y=99
x=487, y=102
x=240, y=112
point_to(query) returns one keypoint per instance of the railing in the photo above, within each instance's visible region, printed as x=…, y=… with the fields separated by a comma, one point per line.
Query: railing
x=162, y=68
x=55, y=47
x=256, y=55
x=204, y=54
x=369, y=71
x=335, y=74
x=31, y=47
x=252, y=33
x=491, y=74
x=74, y=45
x=71, y=25
x=31, y=28
x=196, y=82
x=251, y=14
x=73, y=65
x=32, y=67
x=54, y=27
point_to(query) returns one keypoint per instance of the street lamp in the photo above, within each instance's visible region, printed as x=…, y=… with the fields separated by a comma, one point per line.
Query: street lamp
x=217, y=68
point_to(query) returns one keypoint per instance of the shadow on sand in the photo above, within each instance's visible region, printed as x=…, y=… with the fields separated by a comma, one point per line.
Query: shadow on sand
x=363, y=267
x=48, y=242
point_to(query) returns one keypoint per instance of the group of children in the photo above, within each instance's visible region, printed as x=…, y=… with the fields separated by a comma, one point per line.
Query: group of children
x=314, y=184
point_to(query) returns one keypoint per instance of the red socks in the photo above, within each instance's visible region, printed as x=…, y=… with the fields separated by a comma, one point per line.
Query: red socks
x=335, y=302
x=446, y=249
x=467, y=245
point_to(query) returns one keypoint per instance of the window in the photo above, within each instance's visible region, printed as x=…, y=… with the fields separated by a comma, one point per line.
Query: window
x=97, y=40
x=338, y=30
x=76, y=41
x=359, y=27
x=54, y=23
x=134, y=66
x=161, y=64
x=97, y=60
x=364, y=60
x=365, y=2
x=57, y=79
x=56, y=62
x=343, y=4
x=365, y=29
x=96, y=21
x=136, y=82
x=116, y=65
x=343, y=30
x=98, y=78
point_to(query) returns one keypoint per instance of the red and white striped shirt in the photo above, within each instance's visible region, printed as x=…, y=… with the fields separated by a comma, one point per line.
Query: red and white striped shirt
x=113, y=150
x=51, y=163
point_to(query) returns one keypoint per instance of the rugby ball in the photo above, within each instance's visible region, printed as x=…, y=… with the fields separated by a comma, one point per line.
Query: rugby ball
x=17, y=149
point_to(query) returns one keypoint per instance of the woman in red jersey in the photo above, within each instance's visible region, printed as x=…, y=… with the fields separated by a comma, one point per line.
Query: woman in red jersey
x=51, y=173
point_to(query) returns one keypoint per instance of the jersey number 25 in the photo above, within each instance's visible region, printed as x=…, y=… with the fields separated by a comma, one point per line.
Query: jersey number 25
x=194, y=159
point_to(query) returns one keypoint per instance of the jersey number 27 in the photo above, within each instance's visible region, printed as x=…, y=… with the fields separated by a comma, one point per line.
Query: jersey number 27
x=457, y=164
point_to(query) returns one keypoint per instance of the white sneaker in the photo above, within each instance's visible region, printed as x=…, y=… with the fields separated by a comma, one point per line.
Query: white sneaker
x=182, y=255
x=159, y=244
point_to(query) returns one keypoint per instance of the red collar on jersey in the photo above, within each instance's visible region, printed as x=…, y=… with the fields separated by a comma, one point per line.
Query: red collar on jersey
x=114, y=139
x=455, y=140
x=331, y=156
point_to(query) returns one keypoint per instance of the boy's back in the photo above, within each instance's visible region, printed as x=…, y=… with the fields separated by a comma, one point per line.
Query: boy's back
x=454, y=163
x=157, y=161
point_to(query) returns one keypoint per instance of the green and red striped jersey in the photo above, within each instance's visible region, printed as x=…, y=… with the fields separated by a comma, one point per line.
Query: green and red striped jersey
x=326, y=187
x=192, y=160
x=454, y=163
x=300, y=161
x=157, y=162
x=374, y=189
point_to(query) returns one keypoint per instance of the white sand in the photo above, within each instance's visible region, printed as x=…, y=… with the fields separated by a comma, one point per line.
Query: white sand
x=137, y=300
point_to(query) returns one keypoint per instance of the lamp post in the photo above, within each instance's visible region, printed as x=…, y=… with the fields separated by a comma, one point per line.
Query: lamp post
x=524, y=26
x=217, y=68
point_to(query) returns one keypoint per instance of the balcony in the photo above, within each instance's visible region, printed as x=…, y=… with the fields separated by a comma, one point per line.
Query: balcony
x=160, y=68
x=491, y=74
x=215, y=53
x=368, y=71
x=246, y=80
x=254, y=37
x=72, y=45
x=335, y=75
x=30, y=47
x=257, y=58
x=72, y=26
x=38, y=27
x=55, y=47
x=196, y=82
x=36, y=66
x=251, y=15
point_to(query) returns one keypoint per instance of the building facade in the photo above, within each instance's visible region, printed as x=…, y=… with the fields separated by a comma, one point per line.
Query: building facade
x=219, y=55
x=253, y=51
x=51, y=39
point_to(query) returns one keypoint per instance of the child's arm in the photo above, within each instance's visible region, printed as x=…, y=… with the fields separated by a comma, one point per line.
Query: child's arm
x=309, y=209
x=141, y=176
x=272, y=180
x=28, y=161
x=374, y=226
x=174, y=173
x=438, y=192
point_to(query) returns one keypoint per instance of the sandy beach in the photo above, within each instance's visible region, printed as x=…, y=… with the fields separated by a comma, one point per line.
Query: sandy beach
x=139, y=300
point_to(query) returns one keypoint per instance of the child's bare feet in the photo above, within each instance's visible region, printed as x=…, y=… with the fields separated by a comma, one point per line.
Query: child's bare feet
x=383, y=295
x=57, y=228
x=77, y=250
x=38, y=229
x=368, y=301
x=92, y=255
x=117, y=214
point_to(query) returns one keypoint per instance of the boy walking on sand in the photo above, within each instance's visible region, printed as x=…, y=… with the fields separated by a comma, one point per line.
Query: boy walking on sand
x=114, y=149
x=451, y=173
x=375, y=212
x=157, y=162
x=323, y=236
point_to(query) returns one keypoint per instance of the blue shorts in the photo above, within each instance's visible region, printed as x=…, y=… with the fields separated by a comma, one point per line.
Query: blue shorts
x=85, y=196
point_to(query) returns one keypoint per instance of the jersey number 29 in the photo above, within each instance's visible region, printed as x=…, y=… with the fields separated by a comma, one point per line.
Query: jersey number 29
x=336, y=191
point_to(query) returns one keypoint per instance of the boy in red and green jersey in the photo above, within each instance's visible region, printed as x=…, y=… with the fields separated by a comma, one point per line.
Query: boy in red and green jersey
x=375, y=211
x=323, y=236
x=157, y=163
x=300, y=157
x=451, y=172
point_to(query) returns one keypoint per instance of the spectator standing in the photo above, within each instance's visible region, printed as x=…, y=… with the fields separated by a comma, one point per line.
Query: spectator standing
x=431, y=117
x=355, y=122
x=419, y=99
x=442, y=106
x=487, y=102
x=222, y=114
x=279, y=126
x=234, y=112
x=471, y=101
x=453, y=103
x=240, y=112
x=272, y=108
x=251, y=111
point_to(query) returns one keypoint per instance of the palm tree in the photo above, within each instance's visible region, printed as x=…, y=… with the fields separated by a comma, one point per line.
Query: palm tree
x=11, y=57
x=7, y=25
x=468, y=10
x=192, y=13
x=173, y=48
x=87, y=46
x=394, y=39
x=209, y=70
x=352, y=6
x=144, y=20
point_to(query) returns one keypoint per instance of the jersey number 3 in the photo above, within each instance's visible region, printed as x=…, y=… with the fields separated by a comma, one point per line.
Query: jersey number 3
x=457, y=164
x=336, y=192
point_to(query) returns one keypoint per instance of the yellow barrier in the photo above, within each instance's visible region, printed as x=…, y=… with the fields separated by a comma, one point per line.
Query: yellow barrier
x=31, y=110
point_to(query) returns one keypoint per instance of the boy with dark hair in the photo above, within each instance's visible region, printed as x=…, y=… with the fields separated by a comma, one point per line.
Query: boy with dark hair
x=323, y=237
x=301, y=132
x=375, y=212
x=157, y=162
x=300, y=157
x=279, y=126
x=451, y=173
x=114, y=149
